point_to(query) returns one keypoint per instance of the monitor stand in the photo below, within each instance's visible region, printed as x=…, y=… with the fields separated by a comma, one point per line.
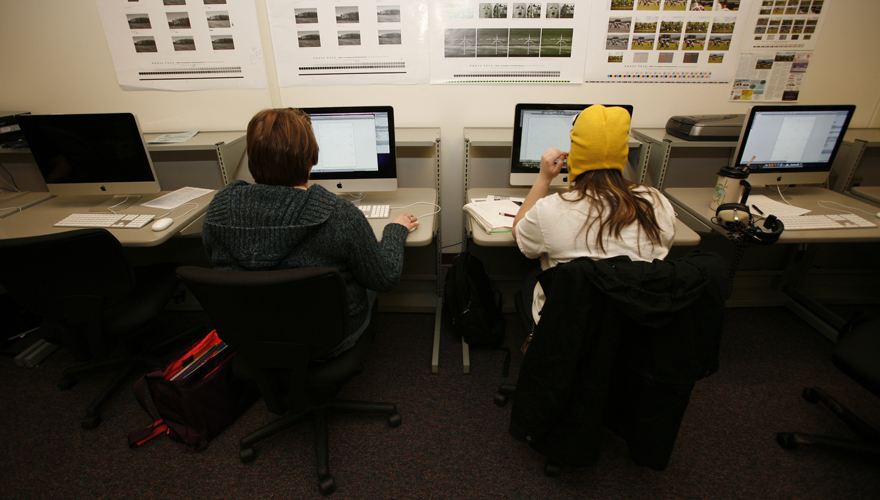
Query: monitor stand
x=116, y=203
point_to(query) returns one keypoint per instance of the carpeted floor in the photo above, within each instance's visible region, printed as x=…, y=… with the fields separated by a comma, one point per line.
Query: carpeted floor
x=453, y=442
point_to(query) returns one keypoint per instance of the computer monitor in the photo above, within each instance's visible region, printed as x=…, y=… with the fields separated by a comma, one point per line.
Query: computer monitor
x=538, y=127
x=91, y=154
x=783, y=145
x=357, y=151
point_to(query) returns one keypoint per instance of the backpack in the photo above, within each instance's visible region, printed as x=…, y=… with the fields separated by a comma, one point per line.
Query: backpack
x=197, y=404
x=472, y=304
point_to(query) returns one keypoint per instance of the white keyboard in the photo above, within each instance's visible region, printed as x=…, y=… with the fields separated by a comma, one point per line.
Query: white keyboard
x=375, y=211
x=119, y=221
x=841, y=221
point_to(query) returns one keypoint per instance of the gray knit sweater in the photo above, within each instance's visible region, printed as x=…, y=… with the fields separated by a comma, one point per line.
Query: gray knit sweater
x=256, y=227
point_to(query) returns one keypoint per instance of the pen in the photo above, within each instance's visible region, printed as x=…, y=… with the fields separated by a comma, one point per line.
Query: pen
x=757, y=210
x=506, y=215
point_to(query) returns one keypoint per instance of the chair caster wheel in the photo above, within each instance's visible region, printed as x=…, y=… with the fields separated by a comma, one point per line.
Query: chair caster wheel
x=90, y=422
x=67, y=382
x=327, y=485
x=247, y=454
x=810, y=395
x=500, y=399
x=551, y=468
x=394, y=420
x=786, y=440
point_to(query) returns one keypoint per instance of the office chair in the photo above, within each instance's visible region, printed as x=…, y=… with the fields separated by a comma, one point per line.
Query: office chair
x=278, y=322
x=856, y=354
x=90, y=299
x=621, y=345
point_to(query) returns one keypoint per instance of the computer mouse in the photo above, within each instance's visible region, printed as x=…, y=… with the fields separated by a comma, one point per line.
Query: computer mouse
x=413, y=228
x=162, y=224
x=877, y=215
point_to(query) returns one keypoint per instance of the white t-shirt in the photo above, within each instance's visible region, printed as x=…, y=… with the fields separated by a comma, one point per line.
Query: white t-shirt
x=553, y=231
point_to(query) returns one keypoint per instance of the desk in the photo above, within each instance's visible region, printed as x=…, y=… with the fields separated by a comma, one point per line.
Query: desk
x=208, y=160
x=857, y=160
x=424, y=234
x=684, y=236
x=680, y=163
x=868, y=193
x=39, y=219
x=848, y=273
x=13, y=201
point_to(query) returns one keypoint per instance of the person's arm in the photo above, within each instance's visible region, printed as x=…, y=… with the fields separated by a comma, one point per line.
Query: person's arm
x=376, y=265
x=551, y=164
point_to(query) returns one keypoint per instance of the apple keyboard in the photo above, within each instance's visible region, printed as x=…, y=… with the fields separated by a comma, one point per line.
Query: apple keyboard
x=375, y=211
x=841, y=221
x=118, y=221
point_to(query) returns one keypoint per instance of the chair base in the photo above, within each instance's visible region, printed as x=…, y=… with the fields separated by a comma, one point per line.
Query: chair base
x=870, y=437
x=126, y=365
x=326, y=482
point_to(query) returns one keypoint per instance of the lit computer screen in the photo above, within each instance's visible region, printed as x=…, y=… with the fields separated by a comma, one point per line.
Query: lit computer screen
x=791, y=144
x=537, y=128
x=88, y=154
x=357, y=150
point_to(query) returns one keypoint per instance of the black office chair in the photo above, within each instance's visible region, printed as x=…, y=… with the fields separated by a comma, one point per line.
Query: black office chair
x=856, y=354
x=90, y=298
x=277, y=322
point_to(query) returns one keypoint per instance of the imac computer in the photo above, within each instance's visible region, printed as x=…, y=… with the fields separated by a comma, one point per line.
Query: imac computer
x=91, y=154
x=538, y=127
x=783, y=145
x=357, y=151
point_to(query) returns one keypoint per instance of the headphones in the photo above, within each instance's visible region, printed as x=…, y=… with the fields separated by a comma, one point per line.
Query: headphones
x=736, y=218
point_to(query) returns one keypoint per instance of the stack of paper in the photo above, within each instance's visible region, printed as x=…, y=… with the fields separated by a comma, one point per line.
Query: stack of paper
x=495, y=216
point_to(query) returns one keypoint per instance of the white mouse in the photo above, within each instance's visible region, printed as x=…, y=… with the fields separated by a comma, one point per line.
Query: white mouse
x=877, y=215
x=162, y=224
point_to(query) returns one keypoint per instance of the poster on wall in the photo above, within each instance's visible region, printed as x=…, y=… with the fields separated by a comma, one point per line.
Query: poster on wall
x=665, y=41
x=184, y=44
x=349, y=42
x=508, y=42
x=785, y=24
x=770, y=76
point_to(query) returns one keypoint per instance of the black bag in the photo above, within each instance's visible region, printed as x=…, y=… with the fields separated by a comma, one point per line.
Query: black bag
x=200, y=402
x=472, y=304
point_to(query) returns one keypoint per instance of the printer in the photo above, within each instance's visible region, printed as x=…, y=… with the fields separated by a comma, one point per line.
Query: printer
x=706, y=127
x=10, y=132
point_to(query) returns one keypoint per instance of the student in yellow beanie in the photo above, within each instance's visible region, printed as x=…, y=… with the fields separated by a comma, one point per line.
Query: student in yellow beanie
x=602, y=215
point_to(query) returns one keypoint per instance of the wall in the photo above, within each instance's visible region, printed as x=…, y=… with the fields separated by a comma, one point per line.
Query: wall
x=55, y=59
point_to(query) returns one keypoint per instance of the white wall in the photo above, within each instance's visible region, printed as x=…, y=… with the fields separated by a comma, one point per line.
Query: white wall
x=54, y=59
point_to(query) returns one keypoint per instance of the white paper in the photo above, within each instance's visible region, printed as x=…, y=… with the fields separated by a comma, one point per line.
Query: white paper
x=777, y=24
x=665, y=41
x=174, y=138
x=343, y=42
x=184, y=44
x=503, y=42
x=773, y=207
x=770, y=76
x=176, y=198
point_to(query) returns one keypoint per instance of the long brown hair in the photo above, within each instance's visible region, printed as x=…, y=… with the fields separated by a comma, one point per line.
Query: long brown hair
x=615, y=205
x=281, y=147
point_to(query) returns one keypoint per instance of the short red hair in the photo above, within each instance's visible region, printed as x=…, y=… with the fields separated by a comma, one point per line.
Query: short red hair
x=281, y=147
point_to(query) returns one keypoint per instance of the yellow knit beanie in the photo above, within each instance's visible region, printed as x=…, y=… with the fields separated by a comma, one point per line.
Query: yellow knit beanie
x=599, y=140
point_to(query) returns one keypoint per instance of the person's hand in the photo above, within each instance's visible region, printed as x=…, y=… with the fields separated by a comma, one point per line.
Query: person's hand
x=552, y=162
x=407, y=220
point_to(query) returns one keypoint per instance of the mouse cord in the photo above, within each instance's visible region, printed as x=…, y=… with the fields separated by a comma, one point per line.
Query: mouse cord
x=421, y=203
x=194, y=205
x=110, y=209
x=820, y=203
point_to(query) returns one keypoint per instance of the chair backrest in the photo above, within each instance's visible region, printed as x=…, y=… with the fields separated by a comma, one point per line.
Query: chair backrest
x=42, y=270
x=275, y=321
x=68, y=278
